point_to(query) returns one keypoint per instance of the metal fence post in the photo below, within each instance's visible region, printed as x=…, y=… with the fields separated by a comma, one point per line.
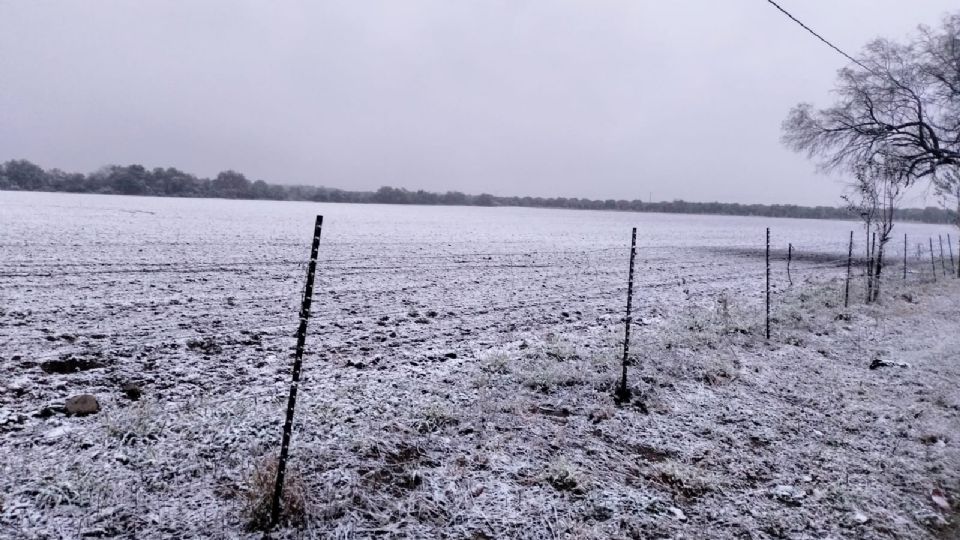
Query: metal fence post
x=904, y=256
x=933, y=262
x=943, y=263
x=623, y=392
x=871, y=267
x=950, y=245
x=297, y=365
x=846, y=286
x=789, y=259
x=768, y=283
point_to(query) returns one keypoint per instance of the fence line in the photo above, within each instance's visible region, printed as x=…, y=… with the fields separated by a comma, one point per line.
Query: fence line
x=596, y=287
x=594, y=275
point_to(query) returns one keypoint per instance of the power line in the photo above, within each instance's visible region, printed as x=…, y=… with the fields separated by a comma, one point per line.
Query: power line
x=818, y=36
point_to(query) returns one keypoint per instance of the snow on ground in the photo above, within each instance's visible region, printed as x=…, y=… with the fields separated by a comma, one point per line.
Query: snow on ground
x=460, y=388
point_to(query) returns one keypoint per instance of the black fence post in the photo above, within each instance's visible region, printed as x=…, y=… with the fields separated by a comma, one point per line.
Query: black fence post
x=789, y=258
x=943, y=262
x=846, y=286
x=297, y=365
x=933, y=262
x=904, y=256
x=871, y=267
x=768, y=283
x=623, y=392
x=950, y=246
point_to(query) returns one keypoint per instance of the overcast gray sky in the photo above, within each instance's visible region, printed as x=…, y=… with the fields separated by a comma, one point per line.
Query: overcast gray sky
x=599, y=99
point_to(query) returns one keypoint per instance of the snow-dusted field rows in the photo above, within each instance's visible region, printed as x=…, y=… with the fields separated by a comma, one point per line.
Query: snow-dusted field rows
x=457, y=376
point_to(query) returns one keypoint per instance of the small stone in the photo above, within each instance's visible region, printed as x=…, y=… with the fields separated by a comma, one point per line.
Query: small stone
x=70, y=365
x=788, y=495
x=56, y=433
x=940, y=499
x=82, y=405
x=11, y=418
x=48, y=411
x=132, y=391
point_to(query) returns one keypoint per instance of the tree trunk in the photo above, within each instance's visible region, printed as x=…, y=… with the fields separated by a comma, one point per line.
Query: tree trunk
x=871, y=265
x=878, y=267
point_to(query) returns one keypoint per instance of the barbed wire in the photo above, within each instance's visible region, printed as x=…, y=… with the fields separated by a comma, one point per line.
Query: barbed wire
x=592, y=273
x=288, y=322
x=336, y=270
x=534, y=251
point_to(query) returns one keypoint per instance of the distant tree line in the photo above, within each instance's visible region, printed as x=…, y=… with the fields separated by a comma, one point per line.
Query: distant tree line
x=22, y=175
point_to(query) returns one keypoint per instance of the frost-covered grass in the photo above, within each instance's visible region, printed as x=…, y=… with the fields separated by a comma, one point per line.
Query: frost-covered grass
x=465, y=390
x=795, y=437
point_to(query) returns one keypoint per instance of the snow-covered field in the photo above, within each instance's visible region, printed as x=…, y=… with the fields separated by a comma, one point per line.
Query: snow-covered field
x=459, y=370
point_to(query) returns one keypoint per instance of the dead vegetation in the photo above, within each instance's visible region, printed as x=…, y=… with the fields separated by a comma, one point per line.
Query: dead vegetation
x=521, y=438
x=258, y=497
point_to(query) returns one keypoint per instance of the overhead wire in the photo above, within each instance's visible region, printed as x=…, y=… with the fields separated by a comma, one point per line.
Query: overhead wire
x=818, y=36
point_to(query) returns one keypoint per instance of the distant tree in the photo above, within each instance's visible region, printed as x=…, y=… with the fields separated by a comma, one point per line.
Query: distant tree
x=389, y=195
x=278, y=193
x=171, y=182
x=126, y=180
x=484, y=199
x=230, y=185
x=902, y=105
x=64, y=181
x=336, y=195
x=426, y=197
x=259, y=190
x=23, y=174
x=453, y=198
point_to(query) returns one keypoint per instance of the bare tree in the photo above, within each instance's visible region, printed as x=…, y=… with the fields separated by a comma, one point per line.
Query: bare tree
x=947, y=186
x=900, y=104
x=874, y=196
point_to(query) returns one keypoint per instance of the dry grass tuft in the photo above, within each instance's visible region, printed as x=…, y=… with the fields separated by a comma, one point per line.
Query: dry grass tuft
x=564, y=476
x=681, y=479
x=259, y=497
x=435, y=417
